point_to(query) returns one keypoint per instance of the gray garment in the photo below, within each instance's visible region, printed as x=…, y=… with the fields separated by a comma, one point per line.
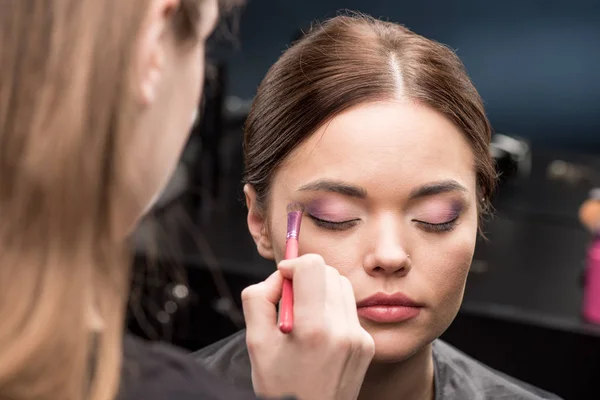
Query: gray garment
x=457, y=376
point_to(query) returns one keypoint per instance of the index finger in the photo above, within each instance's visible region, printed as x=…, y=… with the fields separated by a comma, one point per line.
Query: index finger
x=259, y=303
x=308, y=274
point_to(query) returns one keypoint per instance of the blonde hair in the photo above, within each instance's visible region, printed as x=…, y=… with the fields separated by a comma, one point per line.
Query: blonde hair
x=66, y=113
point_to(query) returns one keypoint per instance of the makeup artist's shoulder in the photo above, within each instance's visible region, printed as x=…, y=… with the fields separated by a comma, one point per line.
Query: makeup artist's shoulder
x=459, y=376
x=158, y=371
x=229, y=359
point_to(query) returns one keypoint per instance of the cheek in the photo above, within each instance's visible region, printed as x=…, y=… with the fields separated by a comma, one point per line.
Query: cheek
x=337, y=251
x=447, y=271
x=198, y=73
x=190, y=84
x=341, y=250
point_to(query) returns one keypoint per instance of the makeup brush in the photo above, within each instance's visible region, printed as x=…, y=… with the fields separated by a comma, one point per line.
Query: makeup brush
x=286, y=306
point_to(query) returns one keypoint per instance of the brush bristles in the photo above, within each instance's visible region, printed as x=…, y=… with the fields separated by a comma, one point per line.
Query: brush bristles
x=294, y=207
x=294, y=220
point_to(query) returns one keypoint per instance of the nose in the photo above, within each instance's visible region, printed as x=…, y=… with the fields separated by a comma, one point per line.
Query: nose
x=386, y=254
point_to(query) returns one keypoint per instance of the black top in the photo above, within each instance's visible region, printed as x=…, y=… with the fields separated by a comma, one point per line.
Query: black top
x=457, y=376
x=156, y=371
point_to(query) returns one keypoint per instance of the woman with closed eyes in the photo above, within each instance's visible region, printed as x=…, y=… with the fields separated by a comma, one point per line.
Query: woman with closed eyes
x=381, y=135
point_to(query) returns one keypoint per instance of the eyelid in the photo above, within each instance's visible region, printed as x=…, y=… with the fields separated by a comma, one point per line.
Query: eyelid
x=439, y=227
x=332, y=208
x=334, y=225
x=436, y=212
x=331, y=221
x=438, y=223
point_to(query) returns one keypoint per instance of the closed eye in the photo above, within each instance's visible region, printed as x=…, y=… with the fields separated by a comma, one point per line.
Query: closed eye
x=441, y=227
x=334, y=226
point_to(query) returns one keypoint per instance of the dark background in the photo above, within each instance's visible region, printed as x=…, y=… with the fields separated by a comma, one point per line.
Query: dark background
x=536, y=65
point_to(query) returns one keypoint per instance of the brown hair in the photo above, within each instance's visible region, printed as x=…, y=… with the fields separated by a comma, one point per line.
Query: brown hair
x=350, y=60
x=66, y=109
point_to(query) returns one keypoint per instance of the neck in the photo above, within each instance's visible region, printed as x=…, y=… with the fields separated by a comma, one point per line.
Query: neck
x=411, y=379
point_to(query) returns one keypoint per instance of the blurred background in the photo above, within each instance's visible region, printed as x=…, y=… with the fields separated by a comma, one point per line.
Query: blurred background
x=535, y=63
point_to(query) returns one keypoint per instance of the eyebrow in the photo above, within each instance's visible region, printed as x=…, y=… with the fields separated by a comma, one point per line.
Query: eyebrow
x=343, y=188
x=347, y=189
x=431, y=189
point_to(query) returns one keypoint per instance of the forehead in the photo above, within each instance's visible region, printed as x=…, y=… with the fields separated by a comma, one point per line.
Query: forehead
x=385, y=145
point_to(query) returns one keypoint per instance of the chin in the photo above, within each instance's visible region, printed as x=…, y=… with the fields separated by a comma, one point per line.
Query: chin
x=398, y=343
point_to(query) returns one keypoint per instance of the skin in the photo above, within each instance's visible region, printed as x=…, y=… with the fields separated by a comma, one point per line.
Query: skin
x=387, y=152
x=170, y=75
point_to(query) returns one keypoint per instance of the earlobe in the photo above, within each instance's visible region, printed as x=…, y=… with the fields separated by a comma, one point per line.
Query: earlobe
x=257, y=224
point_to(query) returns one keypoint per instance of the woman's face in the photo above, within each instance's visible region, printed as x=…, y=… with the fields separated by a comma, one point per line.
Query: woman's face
x=390, y=196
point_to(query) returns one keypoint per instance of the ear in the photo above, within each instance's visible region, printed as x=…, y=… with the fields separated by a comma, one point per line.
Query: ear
x=152, y=51
x=257, y=224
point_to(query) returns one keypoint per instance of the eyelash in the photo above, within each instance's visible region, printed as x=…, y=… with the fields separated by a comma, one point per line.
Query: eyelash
x=439, y=228
x=334, y=226
x=341, y=226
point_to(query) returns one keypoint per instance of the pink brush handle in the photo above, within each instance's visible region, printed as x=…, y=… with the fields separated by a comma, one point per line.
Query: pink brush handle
x=286, y=307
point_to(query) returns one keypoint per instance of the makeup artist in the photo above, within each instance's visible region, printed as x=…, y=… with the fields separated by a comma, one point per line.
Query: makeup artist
x=96, y=101
x=381, y=135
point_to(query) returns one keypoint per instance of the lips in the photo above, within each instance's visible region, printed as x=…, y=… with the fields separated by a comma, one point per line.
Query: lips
x=388, y=308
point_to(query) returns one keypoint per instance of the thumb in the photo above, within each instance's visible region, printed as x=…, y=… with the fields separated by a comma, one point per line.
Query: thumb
x=259, y=302
x=287, y=268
